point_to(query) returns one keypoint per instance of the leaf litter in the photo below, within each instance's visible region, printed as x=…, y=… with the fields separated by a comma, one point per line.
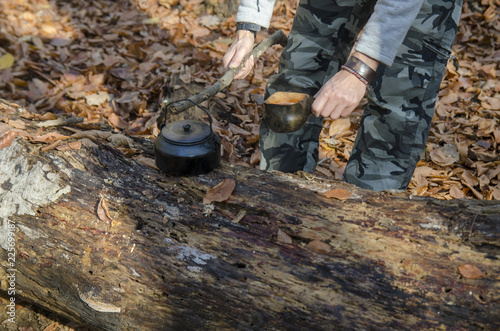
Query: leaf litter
x=114, y=62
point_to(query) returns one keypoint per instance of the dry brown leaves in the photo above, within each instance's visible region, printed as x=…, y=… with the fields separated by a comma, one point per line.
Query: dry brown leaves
x=114, y=61
x=8, y=139
x=462, y=157
x=337, y=193
x=220, y=192
x=103, y=211
x=470, y=271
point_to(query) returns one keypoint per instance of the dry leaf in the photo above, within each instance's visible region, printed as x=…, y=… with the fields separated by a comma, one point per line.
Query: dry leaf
x=456, y=192
x=103, y=211
x=146, y=161
x=209, y=20
x=97, y=99
x=6, y=61
x=47, y=117
x=4, y=129
x=94, y=135
x=75, y=145
x=470, y=271
x=319, y=246
x=338, y=193
x=220, y=192
x=19, y=124
x=8, y=139
x=283, y=237
x=51, y=146
x=446, y=155
x=339, y=126
x=48, y=138
x=52, y=327
x=120, y=140
x=88, y=143
x=117, y=121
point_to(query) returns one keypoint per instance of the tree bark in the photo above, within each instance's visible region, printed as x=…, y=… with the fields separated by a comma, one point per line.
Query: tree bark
x=103, y=239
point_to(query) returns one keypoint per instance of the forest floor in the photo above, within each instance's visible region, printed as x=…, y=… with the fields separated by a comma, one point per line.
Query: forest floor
x=113, y=62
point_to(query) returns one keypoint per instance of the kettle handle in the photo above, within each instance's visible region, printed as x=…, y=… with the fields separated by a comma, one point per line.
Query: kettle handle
x=165, y=109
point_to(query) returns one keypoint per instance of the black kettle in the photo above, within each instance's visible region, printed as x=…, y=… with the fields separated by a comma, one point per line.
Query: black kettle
x=188, y=147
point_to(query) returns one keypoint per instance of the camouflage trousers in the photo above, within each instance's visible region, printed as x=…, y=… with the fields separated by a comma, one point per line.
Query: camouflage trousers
x=401, y=101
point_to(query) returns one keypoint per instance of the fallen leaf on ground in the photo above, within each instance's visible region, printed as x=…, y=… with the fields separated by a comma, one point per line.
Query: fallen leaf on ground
x=338, y=193
x=19, y=124
x=117, y=121
x=52, y=327
x=52, y=145
x=456, y=192
x=48, y=138
x=147, y=161
x=120, y=140
x=6, y=61
x=470, y=271
x=86, y=142
x=220, y=192
x=338, y=126
x=8, y=139
x=4, y=129
x=75, y=145
x=209, y=20
x=446, y=155
x=103, y=211
x=47, y=117
x=96, y=99
x=95, y=135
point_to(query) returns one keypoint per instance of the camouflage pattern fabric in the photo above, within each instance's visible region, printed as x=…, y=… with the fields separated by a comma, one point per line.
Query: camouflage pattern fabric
x=396, y=122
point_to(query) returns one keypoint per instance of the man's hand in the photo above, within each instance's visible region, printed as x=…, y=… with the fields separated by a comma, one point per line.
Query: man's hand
x=341, y=93
x=339, y=96
x=241, y=46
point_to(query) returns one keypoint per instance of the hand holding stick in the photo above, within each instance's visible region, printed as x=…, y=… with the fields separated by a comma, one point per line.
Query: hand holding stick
x=177, y=107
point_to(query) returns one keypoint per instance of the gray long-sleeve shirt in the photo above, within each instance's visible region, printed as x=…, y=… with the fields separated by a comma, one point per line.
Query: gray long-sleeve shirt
x=383, y=33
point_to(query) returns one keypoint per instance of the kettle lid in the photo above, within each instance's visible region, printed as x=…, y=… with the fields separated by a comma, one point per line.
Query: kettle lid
x=186, y=132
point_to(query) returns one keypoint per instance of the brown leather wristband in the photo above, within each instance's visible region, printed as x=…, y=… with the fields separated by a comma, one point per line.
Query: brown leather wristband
x=361, y=68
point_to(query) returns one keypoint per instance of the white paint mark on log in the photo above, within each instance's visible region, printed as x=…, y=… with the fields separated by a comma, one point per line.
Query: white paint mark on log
x=188, y=253
x=24, y=187
x=194, y=269
x=432, y=224
x=99, y=306
x=119, y=289
x=134, y=273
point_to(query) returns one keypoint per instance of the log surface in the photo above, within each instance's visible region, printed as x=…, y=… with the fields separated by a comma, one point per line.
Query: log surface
x=276, y=255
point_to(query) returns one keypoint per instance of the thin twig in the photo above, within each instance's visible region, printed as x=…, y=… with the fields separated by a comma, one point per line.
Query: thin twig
x=60, y=121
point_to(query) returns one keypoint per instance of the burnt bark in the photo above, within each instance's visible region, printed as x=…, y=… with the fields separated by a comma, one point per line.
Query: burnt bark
x=276, y=255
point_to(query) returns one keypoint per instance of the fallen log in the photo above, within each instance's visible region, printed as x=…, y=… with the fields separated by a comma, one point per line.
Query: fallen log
x=104, y=239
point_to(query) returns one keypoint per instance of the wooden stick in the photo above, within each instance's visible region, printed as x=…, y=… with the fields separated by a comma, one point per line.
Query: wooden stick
x=177, y=107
